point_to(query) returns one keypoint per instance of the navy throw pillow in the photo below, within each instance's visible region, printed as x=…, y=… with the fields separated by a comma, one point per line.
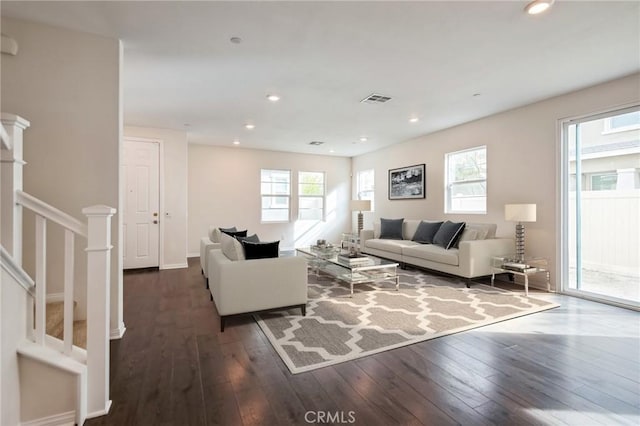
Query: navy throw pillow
x=448, y=234
x=235, y=233
x=260, y=250
x=426, y=231
x=391, y=229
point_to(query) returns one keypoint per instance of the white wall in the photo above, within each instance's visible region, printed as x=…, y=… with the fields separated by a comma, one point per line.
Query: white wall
x=13, y=326
x=224, y=191
x=67, y=84
x=522, y=149
x=174, y=216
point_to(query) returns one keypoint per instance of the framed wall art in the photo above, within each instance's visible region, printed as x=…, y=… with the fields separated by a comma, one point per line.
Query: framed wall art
x=407, y=182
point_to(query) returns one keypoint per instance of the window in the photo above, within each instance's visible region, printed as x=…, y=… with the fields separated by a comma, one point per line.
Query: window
x=311, y=196
x=466, y=181
x=604, y=181
x=365, y=186
x=622, y=122
x=275, y=189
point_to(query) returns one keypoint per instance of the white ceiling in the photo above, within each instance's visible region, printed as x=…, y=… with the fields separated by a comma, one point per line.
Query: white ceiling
x=322, y=58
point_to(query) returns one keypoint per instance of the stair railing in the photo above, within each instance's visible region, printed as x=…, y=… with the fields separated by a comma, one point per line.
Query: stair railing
x=97, y=232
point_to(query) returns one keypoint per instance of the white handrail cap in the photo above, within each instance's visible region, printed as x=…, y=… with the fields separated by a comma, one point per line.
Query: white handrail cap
x=99, y=210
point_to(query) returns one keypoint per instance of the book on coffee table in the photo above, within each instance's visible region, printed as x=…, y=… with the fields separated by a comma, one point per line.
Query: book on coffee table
x=354, y=261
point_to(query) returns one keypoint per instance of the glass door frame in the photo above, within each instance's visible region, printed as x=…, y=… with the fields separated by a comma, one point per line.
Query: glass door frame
x=563, y=219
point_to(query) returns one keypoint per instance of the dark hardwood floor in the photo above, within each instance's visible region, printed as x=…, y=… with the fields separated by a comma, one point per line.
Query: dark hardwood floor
x=576, y=365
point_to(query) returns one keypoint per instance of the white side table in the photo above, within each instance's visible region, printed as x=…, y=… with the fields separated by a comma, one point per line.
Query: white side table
x=532, y=266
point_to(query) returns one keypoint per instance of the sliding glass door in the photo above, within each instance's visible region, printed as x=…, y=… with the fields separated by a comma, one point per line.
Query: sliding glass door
x=601, y=200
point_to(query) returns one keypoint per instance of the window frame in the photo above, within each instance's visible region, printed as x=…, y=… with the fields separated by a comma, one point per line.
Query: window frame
x=448, y=209
x=323, y=197
x=371, y=193
x=273, y=195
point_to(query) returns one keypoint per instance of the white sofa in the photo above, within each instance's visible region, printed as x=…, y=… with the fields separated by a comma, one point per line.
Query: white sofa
x=250, y=286
x=208, y=243
x=471, y=259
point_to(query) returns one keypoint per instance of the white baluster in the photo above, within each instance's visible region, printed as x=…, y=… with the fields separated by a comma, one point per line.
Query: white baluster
x=11, y=171
x=68, y=290
x=98, y=306
x=41, y=279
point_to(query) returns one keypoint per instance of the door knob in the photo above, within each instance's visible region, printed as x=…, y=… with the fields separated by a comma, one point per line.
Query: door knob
x=155, y=221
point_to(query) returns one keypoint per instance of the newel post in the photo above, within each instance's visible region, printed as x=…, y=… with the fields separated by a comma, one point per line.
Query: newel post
x=98, y=301
x=11, y=178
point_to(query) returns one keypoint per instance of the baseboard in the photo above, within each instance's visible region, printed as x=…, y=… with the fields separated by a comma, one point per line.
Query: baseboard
x=68, y=418
x=175, y=266
x=117, y=333
x=100, y=412
x=193, y=254
x=55, y=297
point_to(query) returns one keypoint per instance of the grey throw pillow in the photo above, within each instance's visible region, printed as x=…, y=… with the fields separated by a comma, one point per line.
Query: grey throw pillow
x=251, y=238
x=426, y=231
x=391, y=229
x=448, y=234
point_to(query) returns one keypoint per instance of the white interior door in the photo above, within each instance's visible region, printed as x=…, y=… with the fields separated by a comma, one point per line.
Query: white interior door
x=141, y=164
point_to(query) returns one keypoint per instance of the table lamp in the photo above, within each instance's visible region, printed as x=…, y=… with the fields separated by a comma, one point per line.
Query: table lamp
x=520, y=213
x=360, y=206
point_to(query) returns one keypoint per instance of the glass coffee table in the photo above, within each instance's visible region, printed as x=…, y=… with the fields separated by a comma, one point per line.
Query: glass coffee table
x=365, y=269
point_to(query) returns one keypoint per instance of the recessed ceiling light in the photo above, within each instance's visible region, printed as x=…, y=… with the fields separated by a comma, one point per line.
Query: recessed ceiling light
x=538, y=6
x=414, y=120
x=236, y=142
x=273, y=98
x=249, y=126
x=363, y=139
x=331, y=151
x=235, y=40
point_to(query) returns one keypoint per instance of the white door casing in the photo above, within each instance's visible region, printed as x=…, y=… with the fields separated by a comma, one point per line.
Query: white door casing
x=141, y=229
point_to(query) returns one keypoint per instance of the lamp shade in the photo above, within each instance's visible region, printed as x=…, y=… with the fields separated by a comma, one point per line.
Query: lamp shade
x=360, y=205
x=520, y=212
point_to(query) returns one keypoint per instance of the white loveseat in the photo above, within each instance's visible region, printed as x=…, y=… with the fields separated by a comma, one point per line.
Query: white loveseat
x=471, y=259
x=249, y=286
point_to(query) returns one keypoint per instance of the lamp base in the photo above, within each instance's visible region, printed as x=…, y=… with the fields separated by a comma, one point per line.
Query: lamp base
x=360, y=222
x=520, y=242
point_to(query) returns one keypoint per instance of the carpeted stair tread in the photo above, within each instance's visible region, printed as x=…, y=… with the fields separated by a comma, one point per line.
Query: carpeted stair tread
x=55, y=319
x=55, y=324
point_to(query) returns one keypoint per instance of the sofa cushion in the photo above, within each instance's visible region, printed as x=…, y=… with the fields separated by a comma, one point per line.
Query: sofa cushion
x=214, y=233
x=392, y=246
x=448, y=234
x=231, y=247
x=260, y=250
x=251, y=238
x=235, y=233
x=485, y=230
x=467, y=235
x=426, y=231
x=391, y=229
x=432, y=253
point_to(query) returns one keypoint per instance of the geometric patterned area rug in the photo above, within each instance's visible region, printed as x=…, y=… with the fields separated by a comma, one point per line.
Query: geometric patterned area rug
x=338, y=328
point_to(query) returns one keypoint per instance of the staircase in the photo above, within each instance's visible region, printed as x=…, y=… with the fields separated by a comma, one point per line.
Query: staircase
x=55, y=325
x=55, y=369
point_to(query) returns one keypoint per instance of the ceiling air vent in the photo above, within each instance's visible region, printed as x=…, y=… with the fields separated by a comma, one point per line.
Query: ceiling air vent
x=315, y=143
x=375, y=98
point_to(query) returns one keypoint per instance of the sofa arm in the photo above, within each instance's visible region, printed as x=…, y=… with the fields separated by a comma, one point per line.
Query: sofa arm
x=365, y=234
x=205, y=246
x=258, y=284
x=475, y=256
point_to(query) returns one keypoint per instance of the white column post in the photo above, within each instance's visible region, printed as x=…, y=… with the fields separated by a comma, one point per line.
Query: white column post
x=98, y=306
x=11, y=178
